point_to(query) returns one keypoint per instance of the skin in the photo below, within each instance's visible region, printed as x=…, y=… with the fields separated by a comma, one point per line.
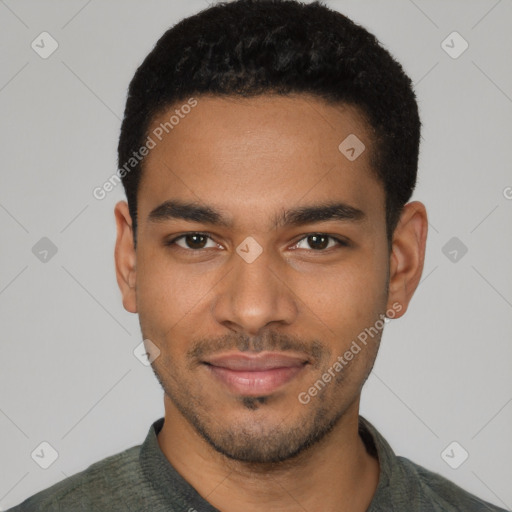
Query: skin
x=252, y=159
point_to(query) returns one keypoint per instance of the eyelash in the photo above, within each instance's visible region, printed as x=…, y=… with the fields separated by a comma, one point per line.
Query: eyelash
x=172, y=243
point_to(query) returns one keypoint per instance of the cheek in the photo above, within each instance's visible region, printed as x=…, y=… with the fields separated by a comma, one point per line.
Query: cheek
x=167, y=294
x=346, y=298
x=351, y=305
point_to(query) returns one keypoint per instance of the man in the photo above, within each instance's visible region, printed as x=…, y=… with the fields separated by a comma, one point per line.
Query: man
x=268, y=152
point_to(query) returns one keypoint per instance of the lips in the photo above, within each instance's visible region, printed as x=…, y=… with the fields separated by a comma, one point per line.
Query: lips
x=255, y=375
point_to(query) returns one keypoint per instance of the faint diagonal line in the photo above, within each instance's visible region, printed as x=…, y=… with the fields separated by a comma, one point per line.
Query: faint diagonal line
x=74, y=218
x=178, y=178
x=427, y=73
x=219, y=484
x=502, y=296
x=491, y=419
x=9, y=491
x=13, y=13
x=14, y=76
x=96, y=300
x=88, y=412
x=492, y=211
x=291, y=496
x=14, y=423
x=429, y=274
x=433, y=227
x=275, y=275
x=492, y=81
x=405, y=404
x=311, y=188
x=75, y=15
x=506, y=505
x=13, y=218
x=87, y=87
x=424, y=14
x=198, y=301
x=485, y=15
x=320, y=115
x=13, y=279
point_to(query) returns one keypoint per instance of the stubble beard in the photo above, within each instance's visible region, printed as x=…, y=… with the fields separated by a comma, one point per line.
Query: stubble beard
x=253, y=442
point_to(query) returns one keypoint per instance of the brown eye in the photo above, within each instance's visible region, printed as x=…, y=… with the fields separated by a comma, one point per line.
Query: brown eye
x=319, y=242
x=193, y=241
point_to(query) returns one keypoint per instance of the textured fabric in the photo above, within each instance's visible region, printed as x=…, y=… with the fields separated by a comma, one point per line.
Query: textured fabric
x=142, y=479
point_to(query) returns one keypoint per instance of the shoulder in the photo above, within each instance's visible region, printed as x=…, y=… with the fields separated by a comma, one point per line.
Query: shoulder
x=405, y=485
x=107, y=480
x=434, y=492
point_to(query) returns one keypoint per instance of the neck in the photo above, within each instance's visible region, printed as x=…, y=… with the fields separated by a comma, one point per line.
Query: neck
x=336, y=474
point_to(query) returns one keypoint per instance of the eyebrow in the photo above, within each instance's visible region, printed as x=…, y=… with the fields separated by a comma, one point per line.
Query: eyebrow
x=204, y=214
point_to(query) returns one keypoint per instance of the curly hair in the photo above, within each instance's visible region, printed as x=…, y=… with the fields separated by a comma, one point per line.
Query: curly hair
x=255, y=47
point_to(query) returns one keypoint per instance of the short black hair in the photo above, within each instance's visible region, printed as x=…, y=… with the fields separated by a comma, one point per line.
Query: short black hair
x=247, y=48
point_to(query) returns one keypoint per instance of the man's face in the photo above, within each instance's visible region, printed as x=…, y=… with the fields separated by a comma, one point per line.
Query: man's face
x=252, y=311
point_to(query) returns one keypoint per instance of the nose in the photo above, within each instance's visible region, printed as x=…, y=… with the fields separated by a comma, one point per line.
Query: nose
x=253, y=296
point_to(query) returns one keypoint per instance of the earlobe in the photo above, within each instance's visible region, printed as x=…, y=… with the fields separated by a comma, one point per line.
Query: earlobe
x=407, y=255
x=125, y=257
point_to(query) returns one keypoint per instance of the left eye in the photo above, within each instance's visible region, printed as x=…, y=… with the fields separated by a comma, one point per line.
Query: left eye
x=319, y=242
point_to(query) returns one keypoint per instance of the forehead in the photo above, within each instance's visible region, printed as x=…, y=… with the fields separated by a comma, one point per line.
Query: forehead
x=254, y=156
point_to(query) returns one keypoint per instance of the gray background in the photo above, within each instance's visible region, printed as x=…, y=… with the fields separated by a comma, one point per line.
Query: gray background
x=68, y=375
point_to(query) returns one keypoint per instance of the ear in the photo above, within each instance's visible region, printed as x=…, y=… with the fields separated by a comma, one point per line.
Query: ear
x=407, y=256
x=125, y=257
